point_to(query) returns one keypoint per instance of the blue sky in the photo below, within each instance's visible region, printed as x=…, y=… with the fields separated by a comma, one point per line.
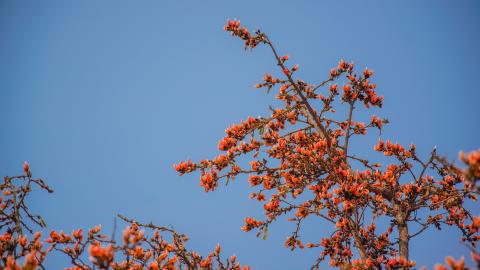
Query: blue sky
x=102, y=97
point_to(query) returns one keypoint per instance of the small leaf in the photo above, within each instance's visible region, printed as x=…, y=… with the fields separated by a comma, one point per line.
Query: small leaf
x=265, y=233
x=261, y=130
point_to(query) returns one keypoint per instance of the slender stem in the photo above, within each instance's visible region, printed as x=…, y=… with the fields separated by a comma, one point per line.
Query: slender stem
x=16, y=212
x=309, y=110
x=347, y=136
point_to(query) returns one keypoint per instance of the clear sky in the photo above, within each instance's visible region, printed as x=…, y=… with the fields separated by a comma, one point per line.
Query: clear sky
x=102, y=97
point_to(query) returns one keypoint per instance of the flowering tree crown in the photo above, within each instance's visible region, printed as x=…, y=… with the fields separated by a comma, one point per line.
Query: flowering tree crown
x=301, y=166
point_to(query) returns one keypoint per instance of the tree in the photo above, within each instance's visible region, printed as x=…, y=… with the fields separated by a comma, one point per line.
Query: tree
x=301, y=166
x=142, y=245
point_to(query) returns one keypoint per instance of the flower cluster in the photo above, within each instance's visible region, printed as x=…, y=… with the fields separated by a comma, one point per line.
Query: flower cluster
x=388, y=148
x=251, y=223
x=184, y=167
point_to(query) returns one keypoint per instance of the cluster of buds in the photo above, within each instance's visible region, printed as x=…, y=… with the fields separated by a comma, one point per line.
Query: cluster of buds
x=341, y=68
x=377, y=122
x=268, y=82
x=251, y=41
x=367, y=73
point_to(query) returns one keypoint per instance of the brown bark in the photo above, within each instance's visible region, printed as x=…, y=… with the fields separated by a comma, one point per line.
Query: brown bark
x=403, y=239
x=403, y=236
x=359, y=246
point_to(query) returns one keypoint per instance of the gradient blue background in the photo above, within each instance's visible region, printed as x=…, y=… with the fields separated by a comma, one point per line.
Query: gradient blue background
x=102, y=97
